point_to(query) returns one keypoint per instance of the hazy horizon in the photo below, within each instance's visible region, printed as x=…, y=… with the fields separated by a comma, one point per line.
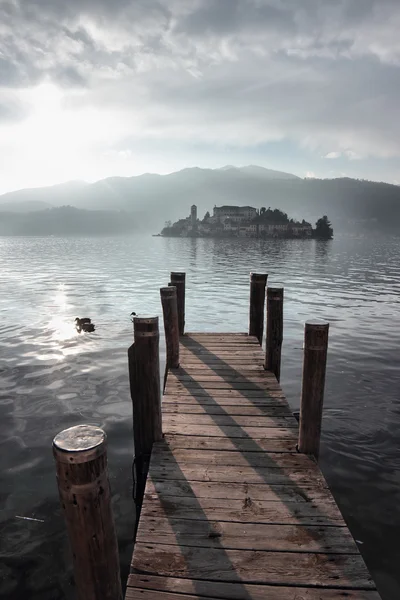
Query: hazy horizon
x=91, y=90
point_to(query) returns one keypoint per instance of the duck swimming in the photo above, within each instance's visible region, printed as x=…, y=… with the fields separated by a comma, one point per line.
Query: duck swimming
x=84, y=324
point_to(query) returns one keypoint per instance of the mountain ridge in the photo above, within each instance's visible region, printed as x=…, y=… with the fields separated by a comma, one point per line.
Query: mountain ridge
x=154, y=199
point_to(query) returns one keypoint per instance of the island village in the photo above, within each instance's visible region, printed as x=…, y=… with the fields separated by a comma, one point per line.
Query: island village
x=246, y=221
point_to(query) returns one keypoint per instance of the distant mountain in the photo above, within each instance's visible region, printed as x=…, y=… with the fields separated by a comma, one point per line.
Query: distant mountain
x=261, y=172
x=65, y=221
x=153, y=199
x=24, y=206
x=55, y=195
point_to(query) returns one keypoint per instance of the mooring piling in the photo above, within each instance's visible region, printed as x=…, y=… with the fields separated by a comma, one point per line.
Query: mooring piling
x=178, y=280
x=144, y=377
x=274, y=337
x=258, y=281
x=169, y=304
x=313, y=385
x=81, y=463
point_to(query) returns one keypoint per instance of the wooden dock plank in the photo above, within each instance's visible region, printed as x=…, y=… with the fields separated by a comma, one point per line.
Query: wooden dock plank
x=226, y=419
x=232, y=431
x=289, y=538
x=233, y=458
x=316, y=493
x=231, y=510
x=252, y=566
x=174, y=588
x=225, y=443
x=248, y=510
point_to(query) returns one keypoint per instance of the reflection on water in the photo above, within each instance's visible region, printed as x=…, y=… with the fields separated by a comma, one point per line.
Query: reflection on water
x=53, y=378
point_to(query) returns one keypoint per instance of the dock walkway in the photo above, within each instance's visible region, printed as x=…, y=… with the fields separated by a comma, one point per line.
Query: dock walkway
x=231, y=510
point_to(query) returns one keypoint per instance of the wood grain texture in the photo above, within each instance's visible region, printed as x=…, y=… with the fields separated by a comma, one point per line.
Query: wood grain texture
x=252, y=566
x=318, y=493
x=220, y=401
x=243, y=511
x=210, y=534
x=232, y=431
x=226, y=419
x=226, y=393
x=232, y=410
x=146, y=587
x=234, y=458
x=225, y=443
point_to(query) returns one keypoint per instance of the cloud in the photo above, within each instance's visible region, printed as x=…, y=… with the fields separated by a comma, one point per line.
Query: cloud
x=231, y=73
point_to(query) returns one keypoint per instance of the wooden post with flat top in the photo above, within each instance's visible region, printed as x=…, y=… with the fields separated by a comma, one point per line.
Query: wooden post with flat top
x=81, y=462
x=258, y=282
x=273, y=346
x=178, y=280
x=144, y=377
x=171, y=325
x=312, y=393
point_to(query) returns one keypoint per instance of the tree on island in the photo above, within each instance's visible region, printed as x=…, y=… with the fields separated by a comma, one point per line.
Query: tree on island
x=206, y=217
x=323, y=229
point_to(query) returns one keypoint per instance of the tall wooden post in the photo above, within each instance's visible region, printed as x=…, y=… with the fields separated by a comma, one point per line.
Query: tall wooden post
x=273, y=346
x=179, y=281
x=81, y=462
x=312, y=393
x=258, y=282
x=171, y=325
x=144, y=377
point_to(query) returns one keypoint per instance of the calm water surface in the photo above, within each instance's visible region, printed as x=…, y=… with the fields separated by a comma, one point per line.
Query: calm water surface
x=52, y=378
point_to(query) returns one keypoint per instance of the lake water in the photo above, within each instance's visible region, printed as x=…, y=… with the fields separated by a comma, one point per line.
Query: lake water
x=52, y=378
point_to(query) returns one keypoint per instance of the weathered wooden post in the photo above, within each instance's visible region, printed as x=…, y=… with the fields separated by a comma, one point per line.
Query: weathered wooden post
x=273, y=346
x=81, y=462
x=312, y=393
x=258, y=282
x=171, y=325
x=144, y=378
x=178, y=280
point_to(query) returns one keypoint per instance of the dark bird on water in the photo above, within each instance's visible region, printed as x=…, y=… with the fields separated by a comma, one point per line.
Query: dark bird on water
x=84, y=324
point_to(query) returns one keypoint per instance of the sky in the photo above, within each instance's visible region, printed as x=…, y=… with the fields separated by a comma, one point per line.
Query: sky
x=95, y=88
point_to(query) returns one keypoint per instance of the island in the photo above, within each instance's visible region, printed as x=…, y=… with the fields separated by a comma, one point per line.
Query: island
x=247, y=221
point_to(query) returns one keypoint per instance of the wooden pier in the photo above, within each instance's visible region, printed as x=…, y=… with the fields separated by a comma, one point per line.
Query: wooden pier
x=231, y=509
x=231, y=503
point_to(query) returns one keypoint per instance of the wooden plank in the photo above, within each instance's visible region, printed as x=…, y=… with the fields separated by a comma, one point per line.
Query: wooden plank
x=226, y=443
x=171, y=588
x=164, y=455
x=215, y=409
x=252, y=566
x=232, y=362
x=231, y=474
x=195, y=393
x=233, y=337
x=242, y=511
x=224, y=419
x=200, y=367
x=290, y=538
x=222, y=353
x=233, y=401
x=218, y=371
x=233, y=431
x=317, y=493
x=198, y=347
x=256, y=377
x=177, y=386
